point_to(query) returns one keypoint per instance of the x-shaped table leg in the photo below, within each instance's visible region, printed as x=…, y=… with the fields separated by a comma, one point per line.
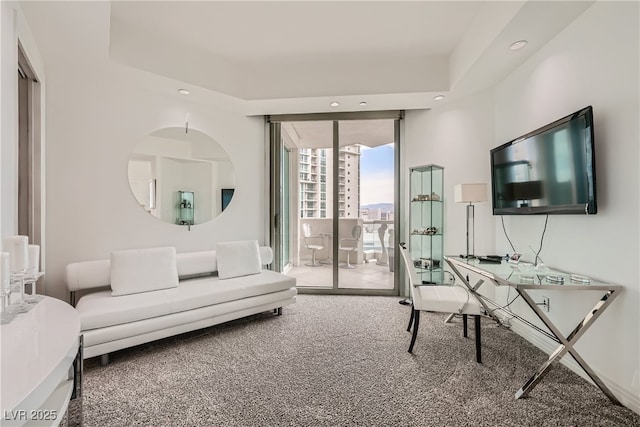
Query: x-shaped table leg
x=566, y=344
x=474, y=291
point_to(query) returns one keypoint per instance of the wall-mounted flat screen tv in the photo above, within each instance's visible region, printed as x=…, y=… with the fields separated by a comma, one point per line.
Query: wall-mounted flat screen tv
x=551, y=170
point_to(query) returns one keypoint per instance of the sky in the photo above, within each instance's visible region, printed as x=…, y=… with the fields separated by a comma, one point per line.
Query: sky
x=376, y=174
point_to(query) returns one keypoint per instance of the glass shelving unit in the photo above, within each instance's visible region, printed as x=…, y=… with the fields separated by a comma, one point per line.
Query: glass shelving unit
x=426, y=222
x=185, y=208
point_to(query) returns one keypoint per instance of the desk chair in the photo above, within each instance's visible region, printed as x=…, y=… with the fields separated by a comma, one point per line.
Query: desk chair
x=439, y=298
x=310, y=242
x=351, y=244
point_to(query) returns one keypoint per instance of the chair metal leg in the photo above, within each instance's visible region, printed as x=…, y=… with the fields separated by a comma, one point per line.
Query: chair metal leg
x=478, y=345
x=464, y=325
x=348, y=264
x=416, y=322
x=313, y=262
x=410, y=319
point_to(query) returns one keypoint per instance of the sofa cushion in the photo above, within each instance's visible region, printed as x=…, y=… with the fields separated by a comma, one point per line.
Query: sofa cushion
x=143, y=270
x=196, y=263
x=100, y=309
x=236, y=259
x=200, y=292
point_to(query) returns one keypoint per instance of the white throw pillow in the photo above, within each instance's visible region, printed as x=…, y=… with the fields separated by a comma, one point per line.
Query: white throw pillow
x=141, y=270
x=240, y=258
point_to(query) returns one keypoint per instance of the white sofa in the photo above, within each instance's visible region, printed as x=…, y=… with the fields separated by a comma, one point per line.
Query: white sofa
x=143, y=295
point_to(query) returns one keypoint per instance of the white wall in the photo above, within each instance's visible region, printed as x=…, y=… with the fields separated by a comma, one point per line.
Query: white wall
x=594, y=61
x=14, y=30
x=92, y=130
x=8, y=124
x=456, y=137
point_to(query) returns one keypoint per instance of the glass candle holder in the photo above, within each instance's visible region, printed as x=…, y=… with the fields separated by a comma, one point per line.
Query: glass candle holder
x=17, y=286
x=33, y=274
x=5, y=287
x=5, y=316
x=32, y=297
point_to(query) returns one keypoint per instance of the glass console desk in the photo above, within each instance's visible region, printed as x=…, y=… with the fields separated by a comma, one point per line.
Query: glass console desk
x=505, y=274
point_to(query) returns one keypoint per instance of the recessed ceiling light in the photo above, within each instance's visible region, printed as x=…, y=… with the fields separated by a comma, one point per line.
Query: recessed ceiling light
x=518, y=45
x=183, y=91
x=363, y=103
x=438, y=97
x=335, y=104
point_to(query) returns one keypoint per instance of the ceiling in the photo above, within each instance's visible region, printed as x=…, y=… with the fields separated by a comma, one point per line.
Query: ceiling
x=298, y=56
x=319, y=134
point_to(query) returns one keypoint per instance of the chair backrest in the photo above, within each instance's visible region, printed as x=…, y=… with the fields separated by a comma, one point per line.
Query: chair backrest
x=306, y=229
x=412, y=274
x=391, y=240
x=382, y=231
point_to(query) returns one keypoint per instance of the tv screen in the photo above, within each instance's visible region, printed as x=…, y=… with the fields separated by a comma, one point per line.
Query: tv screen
x=227, y=195
x=548, y=171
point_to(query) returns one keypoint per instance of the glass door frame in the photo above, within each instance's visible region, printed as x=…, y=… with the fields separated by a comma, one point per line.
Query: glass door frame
x=275, y=205
x=277, y=217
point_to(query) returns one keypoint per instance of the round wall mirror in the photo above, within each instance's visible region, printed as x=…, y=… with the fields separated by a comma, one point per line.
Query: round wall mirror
x=181, y=177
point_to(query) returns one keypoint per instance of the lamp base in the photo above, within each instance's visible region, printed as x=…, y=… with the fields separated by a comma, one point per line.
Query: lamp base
x=471, y=250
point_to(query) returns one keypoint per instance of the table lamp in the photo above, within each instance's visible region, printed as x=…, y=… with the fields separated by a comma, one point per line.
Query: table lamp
x=470, y=193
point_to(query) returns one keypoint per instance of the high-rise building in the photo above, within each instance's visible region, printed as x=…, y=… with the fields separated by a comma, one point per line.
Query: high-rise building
x=316, y=182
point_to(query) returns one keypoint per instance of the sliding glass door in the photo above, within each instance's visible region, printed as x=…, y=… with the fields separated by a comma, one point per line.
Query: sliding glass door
x=366, y=174
x=333, y=200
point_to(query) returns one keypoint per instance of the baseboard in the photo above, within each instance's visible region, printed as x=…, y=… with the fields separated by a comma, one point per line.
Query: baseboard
x=625, y=396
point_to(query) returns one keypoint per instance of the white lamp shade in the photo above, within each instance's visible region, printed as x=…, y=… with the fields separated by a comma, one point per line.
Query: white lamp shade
x=468, y=193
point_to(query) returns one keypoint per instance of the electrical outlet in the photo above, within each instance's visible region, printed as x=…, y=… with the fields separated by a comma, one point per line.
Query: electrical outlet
x=545, y=304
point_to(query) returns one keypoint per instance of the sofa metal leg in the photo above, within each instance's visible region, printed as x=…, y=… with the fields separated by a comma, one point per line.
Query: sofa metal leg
x=277, y=311
x=416, y=322
x=104, y=359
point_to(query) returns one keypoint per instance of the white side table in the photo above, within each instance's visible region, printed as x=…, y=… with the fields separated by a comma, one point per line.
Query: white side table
x=38, y=372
